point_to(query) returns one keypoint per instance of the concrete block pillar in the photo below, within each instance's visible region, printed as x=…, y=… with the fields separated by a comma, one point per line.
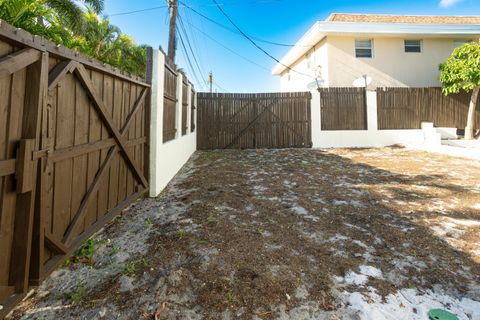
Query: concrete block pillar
x=316, y=118
x=372, y=116
x=156, y=117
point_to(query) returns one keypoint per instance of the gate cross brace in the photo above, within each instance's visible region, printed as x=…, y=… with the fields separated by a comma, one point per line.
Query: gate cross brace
x=241, y=133
x=121, y=143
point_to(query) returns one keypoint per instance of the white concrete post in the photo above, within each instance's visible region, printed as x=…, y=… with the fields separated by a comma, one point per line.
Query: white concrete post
x=156, y=118
x=178, y=106
x=372, y=115
x=189, y=108
x=316, y=118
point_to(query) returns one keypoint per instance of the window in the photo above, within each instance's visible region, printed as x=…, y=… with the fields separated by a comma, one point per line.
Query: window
x=363, y=49
x=413, y=46
x=459, y=43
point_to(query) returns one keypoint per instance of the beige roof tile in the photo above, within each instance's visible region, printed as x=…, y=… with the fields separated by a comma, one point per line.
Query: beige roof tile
x=379, y=18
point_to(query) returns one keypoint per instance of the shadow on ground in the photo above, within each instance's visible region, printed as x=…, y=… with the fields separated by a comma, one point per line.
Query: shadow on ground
x=279, y=234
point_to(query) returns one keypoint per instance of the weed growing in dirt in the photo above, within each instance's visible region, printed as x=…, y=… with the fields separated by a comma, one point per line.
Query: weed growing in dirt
x=182, y=234
x=84, y=254
x=202, y=242
x=148, y=222
x=133, y=266
x=77, y=294
x=231, y=299
x=210, y=156
x=212, y=219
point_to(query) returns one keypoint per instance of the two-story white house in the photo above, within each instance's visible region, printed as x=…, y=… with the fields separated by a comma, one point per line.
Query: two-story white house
x=392, y=50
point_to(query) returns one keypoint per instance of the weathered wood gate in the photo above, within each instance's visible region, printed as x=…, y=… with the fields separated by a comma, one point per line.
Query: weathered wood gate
x=248, y=121
x=73, y=152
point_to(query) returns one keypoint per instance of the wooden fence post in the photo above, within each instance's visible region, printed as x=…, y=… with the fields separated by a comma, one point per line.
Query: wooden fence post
x=156, y=118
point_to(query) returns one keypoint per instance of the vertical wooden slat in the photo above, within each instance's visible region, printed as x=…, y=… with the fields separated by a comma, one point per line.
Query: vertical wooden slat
x=36, y=85
x=269, y=120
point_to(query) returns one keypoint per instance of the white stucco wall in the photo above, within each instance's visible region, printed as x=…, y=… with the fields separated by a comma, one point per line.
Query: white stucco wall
x=390, y=66
x=299, y=82
x=360, y=138
x=166, y=159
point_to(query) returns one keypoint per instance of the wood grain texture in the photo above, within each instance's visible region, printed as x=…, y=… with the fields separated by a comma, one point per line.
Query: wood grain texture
x=246, y=121
x=406, y=108
x=66, y=125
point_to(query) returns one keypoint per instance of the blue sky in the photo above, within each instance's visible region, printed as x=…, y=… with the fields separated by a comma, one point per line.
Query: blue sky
x=282, y=21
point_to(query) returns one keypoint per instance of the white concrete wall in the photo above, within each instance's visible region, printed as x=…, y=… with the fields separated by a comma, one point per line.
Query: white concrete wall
x=166, y=159
x=299, y=81
x=360, y=138
x=390, y=65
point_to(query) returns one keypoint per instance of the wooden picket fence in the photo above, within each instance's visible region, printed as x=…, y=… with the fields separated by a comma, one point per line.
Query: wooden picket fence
x=248, y=121
x=73, y=154
x=169, y=101
x=406, y=108
x=184, y=105
x=343, y=109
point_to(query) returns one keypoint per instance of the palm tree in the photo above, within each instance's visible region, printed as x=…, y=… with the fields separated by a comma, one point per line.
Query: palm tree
x=34, y=16
x=71, y=11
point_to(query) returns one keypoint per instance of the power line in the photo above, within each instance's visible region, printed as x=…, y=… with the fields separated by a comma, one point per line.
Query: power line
x=227, y=48
x=203, y=16
x=190, y=47
x=231, y=29
x=255, y=44
x=217, y=85
x=137, y=11
x=187, y=57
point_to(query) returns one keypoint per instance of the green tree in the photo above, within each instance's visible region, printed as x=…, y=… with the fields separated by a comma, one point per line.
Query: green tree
x=71, y=11
x=98, y=38
x=106, y=43
x=461, y=71
x=35, y=17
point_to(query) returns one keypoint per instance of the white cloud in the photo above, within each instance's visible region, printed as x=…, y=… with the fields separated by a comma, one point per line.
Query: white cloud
x=448, y=3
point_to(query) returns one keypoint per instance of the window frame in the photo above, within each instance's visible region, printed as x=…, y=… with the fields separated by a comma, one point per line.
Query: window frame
x=371, y=47
x=405, y=45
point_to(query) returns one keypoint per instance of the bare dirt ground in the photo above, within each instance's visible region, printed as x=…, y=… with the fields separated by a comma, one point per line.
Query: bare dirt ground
x=285, y=234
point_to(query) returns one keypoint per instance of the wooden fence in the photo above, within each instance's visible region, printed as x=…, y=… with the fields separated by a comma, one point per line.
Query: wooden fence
x=264, y=120
x=343, y=109
x=184, y=106
x=169, y=101
x=73, y=153
x=192, y=111
x=406, y=108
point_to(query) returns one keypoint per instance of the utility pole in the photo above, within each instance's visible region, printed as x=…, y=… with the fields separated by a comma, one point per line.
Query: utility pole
x=210, y=80
x=172, y=29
